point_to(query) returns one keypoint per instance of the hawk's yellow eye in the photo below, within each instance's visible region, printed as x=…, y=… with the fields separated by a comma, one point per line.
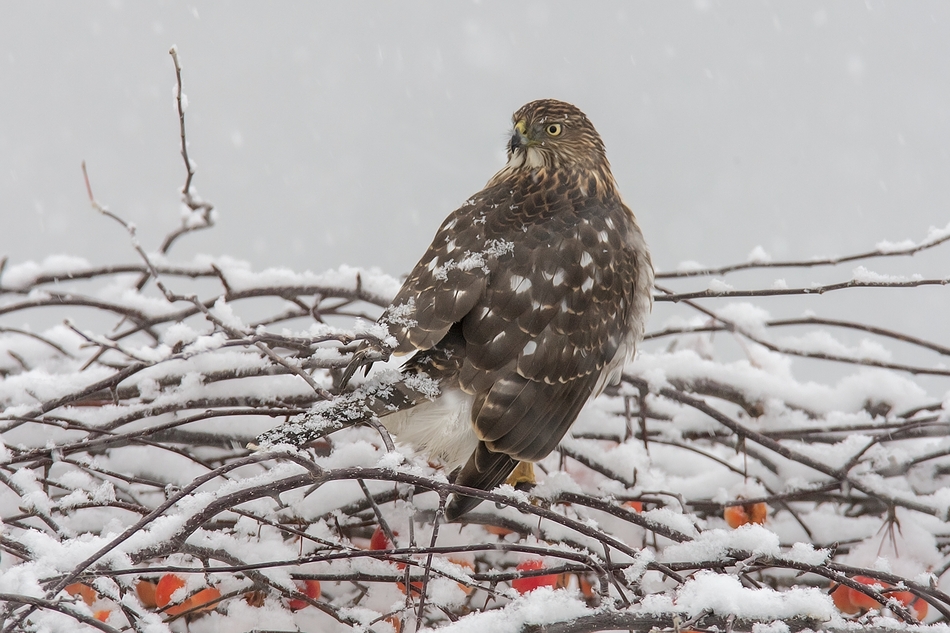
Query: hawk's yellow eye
x=554, y=129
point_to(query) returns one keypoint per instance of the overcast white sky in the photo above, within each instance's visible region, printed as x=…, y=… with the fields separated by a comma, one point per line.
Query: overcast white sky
x=331, y=133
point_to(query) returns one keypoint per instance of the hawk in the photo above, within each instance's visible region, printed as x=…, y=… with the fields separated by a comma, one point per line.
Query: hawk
x=530, y=300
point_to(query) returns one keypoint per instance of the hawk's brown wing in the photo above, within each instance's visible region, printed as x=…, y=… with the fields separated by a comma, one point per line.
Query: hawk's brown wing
x=542, y=275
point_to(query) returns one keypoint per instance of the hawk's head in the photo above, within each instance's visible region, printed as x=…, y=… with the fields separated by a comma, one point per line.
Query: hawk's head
x=551, y=133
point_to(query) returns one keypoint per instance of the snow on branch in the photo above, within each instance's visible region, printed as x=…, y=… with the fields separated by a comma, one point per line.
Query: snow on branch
x=710, y=490
x=760, y=259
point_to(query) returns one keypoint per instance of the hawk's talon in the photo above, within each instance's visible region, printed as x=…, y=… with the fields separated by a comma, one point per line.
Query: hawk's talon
x=522, y=477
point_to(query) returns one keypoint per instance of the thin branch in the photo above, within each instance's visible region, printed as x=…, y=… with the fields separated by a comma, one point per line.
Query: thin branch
x=807, y=263
x=811, y=290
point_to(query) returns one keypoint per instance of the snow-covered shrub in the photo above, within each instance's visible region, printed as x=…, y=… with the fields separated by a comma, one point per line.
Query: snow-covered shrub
x=714, y=487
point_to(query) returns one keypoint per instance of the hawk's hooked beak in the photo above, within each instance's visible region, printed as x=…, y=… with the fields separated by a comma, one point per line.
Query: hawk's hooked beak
x=519, y=137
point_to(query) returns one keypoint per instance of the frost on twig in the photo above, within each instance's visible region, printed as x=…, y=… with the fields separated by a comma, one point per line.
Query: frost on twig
x=124, y=461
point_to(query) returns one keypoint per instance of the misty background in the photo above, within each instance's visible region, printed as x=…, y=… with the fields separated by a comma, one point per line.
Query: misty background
x=332, y=133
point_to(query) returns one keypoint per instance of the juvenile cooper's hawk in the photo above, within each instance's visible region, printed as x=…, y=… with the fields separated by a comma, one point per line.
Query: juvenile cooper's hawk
x=530, y=300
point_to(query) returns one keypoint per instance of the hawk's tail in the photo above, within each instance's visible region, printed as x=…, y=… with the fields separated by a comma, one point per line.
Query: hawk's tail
x=484, y=470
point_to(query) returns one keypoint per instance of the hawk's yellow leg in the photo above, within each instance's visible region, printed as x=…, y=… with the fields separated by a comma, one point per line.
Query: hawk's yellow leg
x=522, y=474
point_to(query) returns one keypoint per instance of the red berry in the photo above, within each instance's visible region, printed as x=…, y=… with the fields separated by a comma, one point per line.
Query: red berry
x=842, y=599
x=310, y=588
x=167, y=585
x=379, y=540
x=524, y=585
x=862, y=600
x=916, y=605
x=204, y=600
x=87, y=593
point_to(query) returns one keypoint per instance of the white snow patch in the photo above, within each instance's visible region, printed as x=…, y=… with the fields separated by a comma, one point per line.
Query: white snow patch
x=718, y=286
x=725, y=595
x=689, y=266
x=806, y=554
x=539, y=607
x=759, y=256
x=863, y=275
x=59, y=266
x=747, y=316
x=391, y=459
x=635, y=572
x=886, y=246
x=715, y=544
x=226, y=315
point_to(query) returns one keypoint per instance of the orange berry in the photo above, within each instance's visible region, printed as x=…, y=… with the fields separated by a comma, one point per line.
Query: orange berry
x=587, y=589
x=178, y=609
x=758, y=513
x=862, y=600
x=87, y=593
x=636, y=506
x=102, y=615
x=167, y=585
x=524, y=585
x=917, y=606
x=737, y=516
x=497, y=530
x=145, y=590
x=204, y=600
x=842, y=599
x=310, y=588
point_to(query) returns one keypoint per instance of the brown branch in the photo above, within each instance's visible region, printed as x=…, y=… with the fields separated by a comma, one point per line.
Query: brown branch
x=12, y=599
x=634, y=621
x=206, y=209
x=812, y=290
x=804, y=263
